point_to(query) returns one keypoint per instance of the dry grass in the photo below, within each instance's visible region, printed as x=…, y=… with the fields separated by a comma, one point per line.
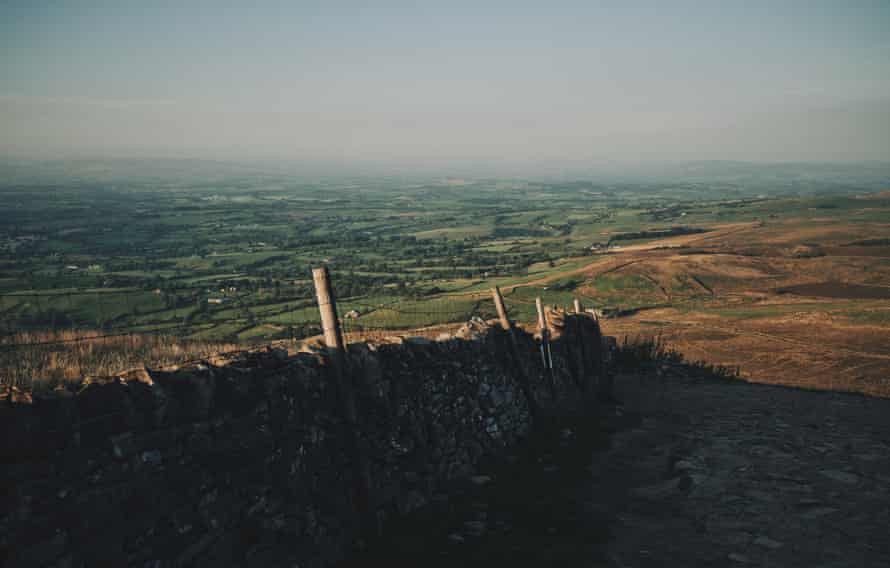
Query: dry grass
x=639, y=351
x=46, y=359
x=821, y=322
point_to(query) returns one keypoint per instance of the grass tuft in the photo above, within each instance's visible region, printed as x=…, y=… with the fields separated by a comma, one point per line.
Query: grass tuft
x=40, y=361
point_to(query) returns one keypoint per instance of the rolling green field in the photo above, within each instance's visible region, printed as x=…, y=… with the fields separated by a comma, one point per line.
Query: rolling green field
x=229, y=258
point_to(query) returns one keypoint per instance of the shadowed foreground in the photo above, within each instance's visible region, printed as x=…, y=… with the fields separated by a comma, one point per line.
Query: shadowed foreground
x=688, y=471
x=272, y=458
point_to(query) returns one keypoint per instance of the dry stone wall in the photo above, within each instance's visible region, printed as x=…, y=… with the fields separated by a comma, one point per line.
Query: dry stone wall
x=272, y=458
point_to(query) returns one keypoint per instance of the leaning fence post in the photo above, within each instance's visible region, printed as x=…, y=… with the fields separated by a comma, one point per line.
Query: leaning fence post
x=524, y=383
x=502, y=311
x=355, y=446
x=327, y=306
x=542, y=321
x=577, y=306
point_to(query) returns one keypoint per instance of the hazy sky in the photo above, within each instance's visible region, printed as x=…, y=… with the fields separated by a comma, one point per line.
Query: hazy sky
x=446, y=81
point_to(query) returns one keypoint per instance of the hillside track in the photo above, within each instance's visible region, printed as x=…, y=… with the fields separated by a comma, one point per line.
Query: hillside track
x=724, y=473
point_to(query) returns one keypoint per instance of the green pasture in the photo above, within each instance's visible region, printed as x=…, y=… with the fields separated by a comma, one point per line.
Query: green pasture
x=187, y=237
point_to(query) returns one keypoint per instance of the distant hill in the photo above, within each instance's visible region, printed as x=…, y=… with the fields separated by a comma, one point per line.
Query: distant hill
x=793, y=177
x=126, y=170
x=875, y=174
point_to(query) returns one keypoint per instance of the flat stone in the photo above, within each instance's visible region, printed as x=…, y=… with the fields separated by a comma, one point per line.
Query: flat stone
x=817, y=512
x=151, y=457
x=868, y=457
x=841, y=476
x=480, y=480
x=664, y=488
x=767, y=542
x=808, y=502
x=759, y=495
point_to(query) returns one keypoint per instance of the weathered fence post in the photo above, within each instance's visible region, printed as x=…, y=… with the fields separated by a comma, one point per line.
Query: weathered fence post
x=542, y=321
x=502, y=311
x=524, y=383
x=354, y=446
x=327, y=306
x=578, y=306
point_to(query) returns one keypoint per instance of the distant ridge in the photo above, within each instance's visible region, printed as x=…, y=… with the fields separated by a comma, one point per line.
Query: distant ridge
x=868, y=176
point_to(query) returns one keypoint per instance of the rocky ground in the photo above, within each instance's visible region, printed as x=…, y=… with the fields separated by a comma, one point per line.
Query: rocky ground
x=687, y=470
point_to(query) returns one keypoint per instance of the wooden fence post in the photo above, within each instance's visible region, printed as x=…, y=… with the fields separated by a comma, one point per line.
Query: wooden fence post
x=578, y=306
x=542, y=321
x=327, y=307
x=546, y=355
x=502, y=311
x=354, y=444
x=524, y=383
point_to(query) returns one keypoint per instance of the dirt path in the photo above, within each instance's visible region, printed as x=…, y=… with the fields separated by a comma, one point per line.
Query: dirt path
x=622, y=258
x=625, y=256
x=589, y=270
x=716, y=232
x=723, y=474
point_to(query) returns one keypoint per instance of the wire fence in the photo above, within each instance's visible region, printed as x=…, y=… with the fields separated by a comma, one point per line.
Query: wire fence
x=358, y=318
x=37, y=335
x=422, y=317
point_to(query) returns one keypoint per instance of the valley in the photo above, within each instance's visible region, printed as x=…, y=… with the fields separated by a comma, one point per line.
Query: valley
x=786, y=288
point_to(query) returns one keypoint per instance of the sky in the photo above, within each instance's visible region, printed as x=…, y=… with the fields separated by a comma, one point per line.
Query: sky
x=419, y=83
